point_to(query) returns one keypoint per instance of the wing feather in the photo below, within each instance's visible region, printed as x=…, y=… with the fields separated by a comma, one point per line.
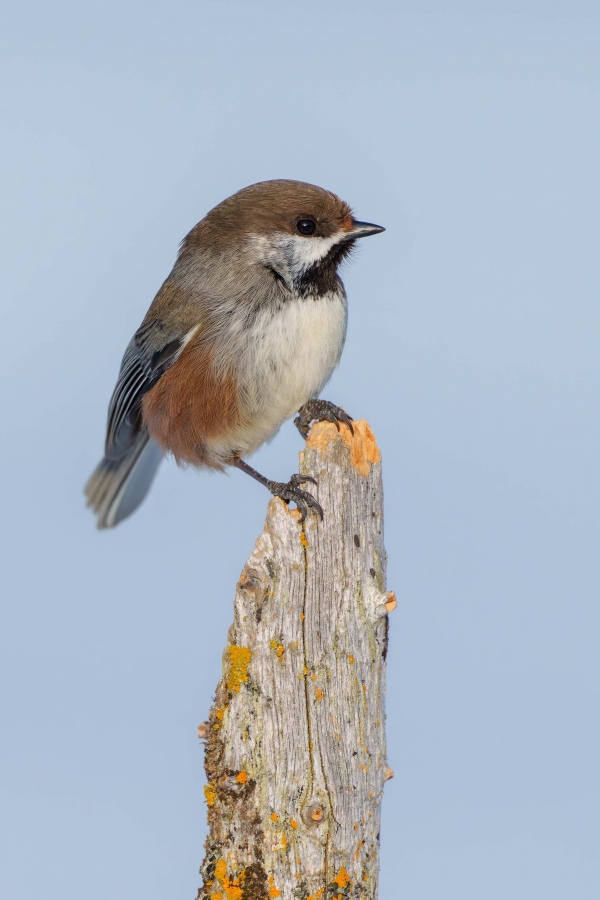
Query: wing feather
x=148, y=356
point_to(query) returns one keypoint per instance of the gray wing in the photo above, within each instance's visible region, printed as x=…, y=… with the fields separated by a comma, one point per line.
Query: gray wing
x=149, y=354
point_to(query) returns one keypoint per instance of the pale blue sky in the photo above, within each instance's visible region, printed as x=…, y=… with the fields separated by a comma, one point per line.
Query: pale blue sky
x=472, y=132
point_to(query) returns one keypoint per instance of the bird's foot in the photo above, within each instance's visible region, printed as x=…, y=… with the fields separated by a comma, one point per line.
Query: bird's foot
x=321, y=410
x=291, y=492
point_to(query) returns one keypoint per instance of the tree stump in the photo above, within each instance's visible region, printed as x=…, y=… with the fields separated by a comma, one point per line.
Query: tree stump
x=295, y=742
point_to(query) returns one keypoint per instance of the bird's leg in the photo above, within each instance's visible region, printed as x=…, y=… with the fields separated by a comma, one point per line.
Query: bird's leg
x=287, y=491
x=320, y=410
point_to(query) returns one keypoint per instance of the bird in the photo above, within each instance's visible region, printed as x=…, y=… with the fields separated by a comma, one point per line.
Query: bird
x=244, y=333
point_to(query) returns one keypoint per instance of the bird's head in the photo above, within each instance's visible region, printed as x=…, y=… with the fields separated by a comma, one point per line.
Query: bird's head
x=298, y=232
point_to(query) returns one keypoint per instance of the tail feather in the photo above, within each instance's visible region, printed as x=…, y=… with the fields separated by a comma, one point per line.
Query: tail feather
x=117, y=486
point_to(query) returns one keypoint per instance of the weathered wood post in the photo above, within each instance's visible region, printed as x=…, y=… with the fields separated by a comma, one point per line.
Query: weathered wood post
x=295, y=752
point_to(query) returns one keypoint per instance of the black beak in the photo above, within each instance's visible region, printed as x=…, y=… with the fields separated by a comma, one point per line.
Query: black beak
x=363, y=229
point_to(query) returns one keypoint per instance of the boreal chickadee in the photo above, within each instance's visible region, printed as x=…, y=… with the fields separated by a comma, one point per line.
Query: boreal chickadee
x=245, y=332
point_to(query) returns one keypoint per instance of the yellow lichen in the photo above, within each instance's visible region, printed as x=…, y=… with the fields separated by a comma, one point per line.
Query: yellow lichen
x=239, y=660
x=221, y=870
x=210, y=793
x=351, y=659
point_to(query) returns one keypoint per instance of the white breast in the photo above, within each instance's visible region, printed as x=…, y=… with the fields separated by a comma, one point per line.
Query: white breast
x=289, y=357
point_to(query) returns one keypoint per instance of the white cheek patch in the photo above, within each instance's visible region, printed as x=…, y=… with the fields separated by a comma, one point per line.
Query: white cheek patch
x=293, y=254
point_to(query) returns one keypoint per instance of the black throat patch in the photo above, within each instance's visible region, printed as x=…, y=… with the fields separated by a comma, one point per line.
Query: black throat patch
x=322, y=277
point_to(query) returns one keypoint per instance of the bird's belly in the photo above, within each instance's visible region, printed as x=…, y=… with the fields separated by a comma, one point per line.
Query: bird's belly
x=289, y=357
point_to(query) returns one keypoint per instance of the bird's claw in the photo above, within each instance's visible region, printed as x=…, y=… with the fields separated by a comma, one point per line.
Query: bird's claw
x=289, y=491
x=321, y=410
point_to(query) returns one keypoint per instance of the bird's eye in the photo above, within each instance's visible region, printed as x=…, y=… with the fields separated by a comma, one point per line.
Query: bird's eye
x=306, y=226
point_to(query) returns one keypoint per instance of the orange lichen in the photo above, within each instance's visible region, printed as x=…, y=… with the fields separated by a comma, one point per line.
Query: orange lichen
x=231, y=887
x=363, y=446
x=210, y=793
x=239, y=660
x=319, y=694
x=303, y=539
x=273, y=892
x=351, y=659
x=275, y=817
x=293, y=823
x=277, y=647
x=242, y=777
x=342, y=879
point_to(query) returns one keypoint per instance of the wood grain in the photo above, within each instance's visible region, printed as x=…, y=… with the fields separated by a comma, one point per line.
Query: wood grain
x=295, y=753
